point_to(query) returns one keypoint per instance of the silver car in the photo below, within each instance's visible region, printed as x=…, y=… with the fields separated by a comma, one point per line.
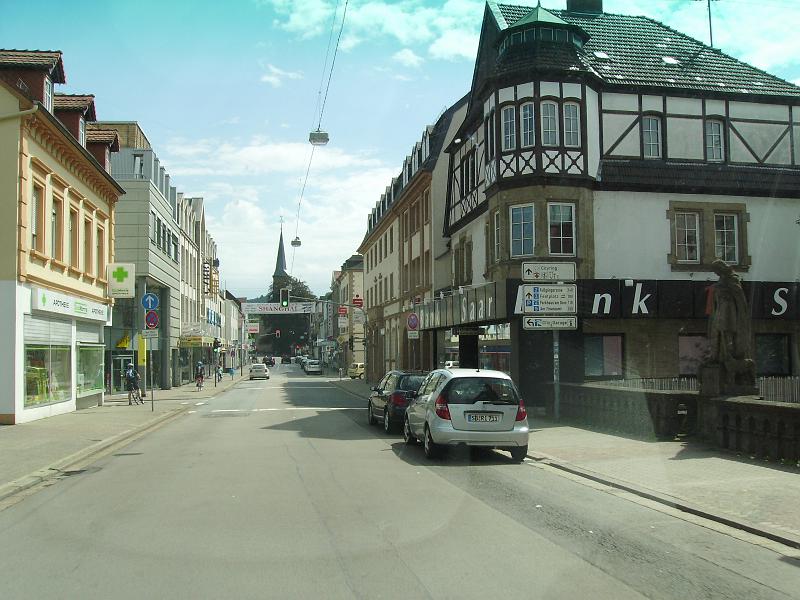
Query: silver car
x=313, y=366
x=468, y=406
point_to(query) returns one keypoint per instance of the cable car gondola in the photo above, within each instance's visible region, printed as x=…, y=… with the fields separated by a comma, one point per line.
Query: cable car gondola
x=318, y=137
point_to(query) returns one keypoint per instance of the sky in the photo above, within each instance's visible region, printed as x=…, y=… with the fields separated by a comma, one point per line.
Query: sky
x=227, y=93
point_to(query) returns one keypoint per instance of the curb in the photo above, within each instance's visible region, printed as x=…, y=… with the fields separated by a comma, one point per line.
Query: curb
x=36, y=477
x=672, y=502
x=351, y=392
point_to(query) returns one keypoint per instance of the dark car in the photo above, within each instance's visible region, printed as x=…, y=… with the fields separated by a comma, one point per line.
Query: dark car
x=285, y=359
x=269, y=361
x=389, y=399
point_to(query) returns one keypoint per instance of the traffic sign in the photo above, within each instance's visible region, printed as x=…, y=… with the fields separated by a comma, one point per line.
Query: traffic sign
x=413, y=334
x=548, y=271
x=342, y=310
x=121, y=279
x=358, y=301
x=543, y=299
x=149, y=334
x=150, y=301
x=412, y=321
x=550, y=323
x=151, y=319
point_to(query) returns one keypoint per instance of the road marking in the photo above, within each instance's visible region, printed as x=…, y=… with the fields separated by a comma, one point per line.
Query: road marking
x=192, y=412
x=184, y=403
x=199, y=403
x=226, y=410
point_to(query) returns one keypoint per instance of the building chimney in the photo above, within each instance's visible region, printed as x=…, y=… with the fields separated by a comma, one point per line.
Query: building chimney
x=592, y=7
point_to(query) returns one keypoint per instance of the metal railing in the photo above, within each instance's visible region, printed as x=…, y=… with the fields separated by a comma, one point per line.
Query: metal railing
x=772, y=389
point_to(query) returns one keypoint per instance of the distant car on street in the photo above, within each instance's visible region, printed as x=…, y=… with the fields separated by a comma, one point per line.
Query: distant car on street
x=285, y=359
x=389, y=399
x=259, y=371
x=269, y=361
x=312, y=367
x=356, y=371
x=470, y=407
x=451, y=364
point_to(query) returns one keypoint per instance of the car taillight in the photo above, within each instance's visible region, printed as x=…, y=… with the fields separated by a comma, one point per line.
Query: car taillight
x=521, y=412
x=442, y=410
x=398, y=399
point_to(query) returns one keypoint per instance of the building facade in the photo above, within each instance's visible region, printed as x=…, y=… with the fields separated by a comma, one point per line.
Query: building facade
x=348, y=283
x=57, y=239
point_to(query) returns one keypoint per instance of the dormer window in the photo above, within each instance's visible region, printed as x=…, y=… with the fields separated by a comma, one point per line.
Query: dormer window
x=48, y=94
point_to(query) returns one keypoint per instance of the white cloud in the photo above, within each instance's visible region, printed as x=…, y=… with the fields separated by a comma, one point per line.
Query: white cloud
x=275, y=76
x=407, y=57
x=455, y=44
x=307, y=17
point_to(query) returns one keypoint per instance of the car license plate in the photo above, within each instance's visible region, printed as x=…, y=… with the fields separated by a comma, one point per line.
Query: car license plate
x=483, y=418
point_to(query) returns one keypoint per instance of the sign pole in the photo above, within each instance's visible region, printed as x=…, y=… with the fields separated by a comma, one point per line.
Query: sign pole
x=150, y=366
x=556, y=376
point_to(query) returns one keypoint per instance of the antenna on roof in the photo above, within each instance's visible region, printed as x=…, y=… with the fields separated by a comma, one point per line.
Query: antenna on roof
x=710, y=30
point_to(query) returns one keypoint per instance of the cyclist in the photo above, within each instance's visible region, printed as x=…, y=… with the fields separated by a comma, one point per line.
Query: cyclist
x=199, y=375
x=132, y=385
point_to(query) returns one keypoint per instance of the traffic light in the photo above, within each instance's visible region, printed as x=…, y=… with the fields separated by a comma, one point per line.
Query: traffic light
x=285, y=297
x=277, y=333
x=350, y=343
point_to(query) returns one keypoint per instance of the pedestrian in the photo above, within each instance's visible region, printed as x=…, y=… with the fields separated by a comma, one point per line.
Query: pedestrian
x=199, y=375
x=132, y=385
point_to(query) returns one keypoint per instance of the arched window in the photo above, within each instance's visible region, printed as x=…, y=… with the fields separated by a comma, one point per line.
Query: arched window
x=527, y=125
x=572, y=125
x=549, y=118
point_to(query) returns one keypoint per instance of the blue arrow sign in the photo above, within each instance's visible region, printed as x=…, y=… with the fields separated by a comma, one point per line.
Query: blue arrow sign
x=150, y=301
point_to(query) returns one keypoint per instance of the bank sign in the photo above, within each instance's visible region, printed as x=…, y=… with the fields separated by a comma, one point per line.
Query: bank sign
x=668, y=299
x=54, y=302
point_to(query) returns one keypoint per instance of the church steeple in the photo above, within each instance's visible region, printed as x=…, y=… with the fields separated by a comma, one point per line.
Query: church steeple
x=280, y=263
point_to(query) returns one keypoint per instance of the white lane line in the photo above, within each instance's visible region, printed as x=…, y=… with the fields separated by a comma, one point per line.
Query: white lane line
x=226, y=410
x=192, y=412
x=182, y=403
x=199, y=403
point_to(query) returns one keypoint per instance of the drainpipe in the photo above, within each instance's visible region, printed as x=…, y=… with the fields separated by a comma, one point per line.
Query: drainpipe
x=20, y=113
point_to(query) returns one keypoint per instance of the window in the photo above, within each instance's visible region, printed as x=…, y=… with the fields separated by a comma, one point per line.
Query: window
x=714, y=144
x=522, y=230
x=497, y=236
x=773, y=355
x=602, y=356
x=692, y=351
x=158, y=232
x=37, y=209
x=100, y=254
x=509, y=128
x=391, y=285
x=90, y=370
x=527, y=125
x=82, y=131
x=549, y=124
x=572, y=126
x=687, y=237
x=152, y=226
x=56, y=228
x=87, y=246
x=48, y=94
x=48, y=374
x=561, y=220
x=73, y=238
x=490, y=137
x=725, y=234
x=471, y=163
x=391, y=240
x=651, y=135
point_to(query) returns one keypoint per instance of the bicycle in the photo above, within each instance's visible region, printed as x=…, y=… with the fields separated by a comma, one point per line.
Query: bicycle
x=199, y=382
x=135, y=396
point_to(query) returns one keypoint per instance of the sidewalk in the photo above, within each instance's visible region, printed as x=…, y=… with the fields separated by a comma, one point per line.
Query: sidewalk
x=31, y=452
x=754, y=495
x=187, y=391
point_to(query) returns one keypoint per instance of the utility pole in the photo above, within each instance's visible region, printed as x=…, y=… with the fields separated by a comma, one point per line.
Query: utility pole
x=710, y=29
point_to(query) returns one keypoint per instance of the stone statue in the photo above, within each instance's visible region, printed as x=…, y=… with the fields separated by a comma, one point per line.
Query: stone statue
x=729, y=336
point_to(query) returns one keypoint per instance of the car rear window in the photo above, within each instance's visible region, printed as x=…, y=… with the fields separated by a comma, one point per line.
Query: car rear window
x=410, y=383
x=469, y=390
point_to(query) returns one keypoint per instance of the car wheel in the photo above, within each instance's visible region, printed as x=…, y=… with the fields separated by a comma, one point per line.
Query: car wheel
x=370, y=416
x=432, y=449
x=408, y=435
x=519, y=453
x=388, y=426
x=361, y=376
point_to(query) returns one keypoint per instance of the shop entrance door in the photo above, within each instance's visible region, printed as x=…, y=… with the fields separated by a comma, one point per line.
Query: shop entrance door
x=119, y=364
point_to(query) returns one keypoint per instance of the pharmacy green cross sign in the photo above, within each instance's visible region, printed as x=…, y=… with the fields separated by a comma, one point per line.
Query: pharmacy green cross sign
x=121, y=280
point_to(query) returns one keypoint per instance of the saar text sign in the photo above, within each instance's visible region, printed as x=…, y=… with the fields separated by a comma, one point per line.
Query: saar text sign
x=272, y=308
x=550, y=323
x=545, y=299
x=548, y=271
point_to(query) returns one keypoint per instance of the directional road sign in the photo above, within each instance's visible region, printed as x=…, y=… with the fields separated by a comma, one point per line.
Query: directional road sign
x=150, y=301
x=545, y=299
x=548, y=271
x=550, y=323
x=151, y=319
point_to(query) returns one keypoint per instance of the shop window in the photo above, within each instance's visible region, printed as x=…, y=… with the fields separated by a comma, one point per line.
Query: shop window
x=572, y=125
x=561, y=221
x=509, y=128
x=90, y=370
x=772, y=355
x=527, y=125
x=48, y=374
x=602, y=356
x=715, y=145
x=651, y=137
x=687, y=237
x=725, y=238
x=692, y=352
x=549, y=112
x=521, y=230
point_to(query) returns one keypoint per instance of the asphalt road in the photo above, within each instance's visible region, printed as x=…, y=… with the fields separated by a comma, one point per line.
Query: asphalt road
x=279, y=489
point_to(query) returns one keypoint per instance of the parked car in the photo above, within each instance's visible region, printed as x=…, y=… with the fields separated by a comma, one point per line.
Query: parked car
x=356, y=371
x=269, y=361
x=259, y=371
x=313, y=367
x=389, y=399
x=471, y=407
